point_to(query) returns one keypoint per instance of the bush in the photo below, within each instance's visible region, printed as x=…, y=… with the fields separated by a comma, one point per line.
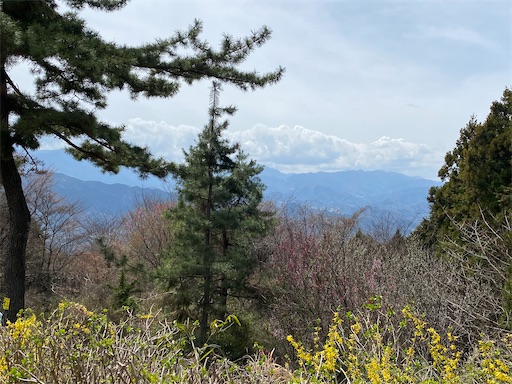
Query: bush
x=318, y=263
x=76, y=345
x=369, y=348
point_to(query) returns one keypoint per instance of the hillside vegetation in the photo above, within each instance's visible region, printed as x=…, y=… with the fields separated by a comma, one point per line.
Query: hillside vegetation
x=73, y=344
x=293, y=294
x=219, y=286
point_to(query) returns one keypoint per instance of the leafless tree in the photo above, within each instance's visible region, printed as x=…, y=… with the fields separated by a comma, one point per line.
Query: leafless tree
x=483, y=259
x=146, y=232
x=60, y=234
x=319, y=263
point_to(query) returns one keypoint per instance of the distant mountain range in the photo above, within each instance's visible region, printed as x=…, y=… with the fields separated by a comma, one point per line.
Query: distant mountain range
x=388, y=195
x=98, y=198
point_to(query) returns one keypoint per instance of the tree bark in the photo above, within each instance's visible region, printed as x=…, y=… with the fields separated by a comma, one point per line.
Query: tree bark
x=19, y=215
x=207, y=276
x=223, y=300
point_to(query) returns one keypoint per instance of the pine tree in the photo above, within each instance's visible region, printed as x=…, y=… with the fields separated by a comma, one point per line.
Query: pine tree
x=214, y=223
x=73, y=70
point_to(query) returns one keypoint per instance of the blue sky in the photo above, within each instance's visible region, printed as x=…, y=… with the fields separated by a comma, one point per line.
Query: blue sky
x=368, y=84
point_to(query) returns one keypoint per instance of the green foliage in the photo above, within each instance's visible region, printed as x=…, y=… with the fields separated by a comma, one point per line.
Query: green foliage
x=73, y=70
x=214, y=223
x=71, y=62
x=73, y=344
x=124, y=292
x=235, y=341
x=477, y=175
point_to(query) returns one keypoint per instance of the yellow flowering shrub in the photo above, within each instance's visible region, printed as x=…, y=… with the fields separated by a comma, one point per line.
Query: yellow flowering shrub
x=495, y=368
x=75, y=345
x=376, y=347
x=323, y=360
x=23, y=328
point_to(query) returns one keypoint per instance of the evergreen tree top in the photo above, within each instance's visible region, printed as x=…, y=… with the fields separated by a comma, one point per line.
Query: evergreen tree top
x=477, y=175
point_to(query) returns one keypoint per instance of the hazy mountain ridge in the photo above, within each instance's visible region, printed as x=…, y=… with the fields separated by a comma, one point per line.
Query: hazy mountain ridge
x=383, y=194
x=101, y=198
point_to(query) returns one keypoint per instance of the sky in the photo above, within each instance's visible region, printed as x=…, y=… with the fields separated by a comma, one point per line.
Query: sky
x=368, y=84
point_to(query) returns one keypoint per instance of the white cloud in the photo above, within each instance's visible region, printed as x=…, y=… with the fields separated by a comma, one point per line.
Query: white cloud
x=161, y=138
x=295, y=149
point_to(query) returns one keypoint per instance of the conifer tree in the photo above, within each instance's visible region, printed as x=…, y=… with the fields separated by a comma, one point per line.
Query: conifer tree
x=470, y=214
x=477, y=175
x=214, y=223
x=73, y=70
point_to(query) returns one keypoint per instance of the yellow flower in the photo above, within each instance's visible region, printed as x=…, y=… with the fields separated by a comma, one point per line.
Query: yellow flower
x=386, y=364
x=3, y=366
x=373, y=371
x=22, y=328
x=331, y=356
x=356, y=328
x=492, y=365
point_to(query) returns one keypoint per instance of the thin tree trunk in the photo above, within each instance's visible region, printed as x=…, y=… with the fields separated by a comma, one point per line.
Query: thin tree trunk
x=223, y=300
x=207, y=277
x=205, y=310
x=19, y=215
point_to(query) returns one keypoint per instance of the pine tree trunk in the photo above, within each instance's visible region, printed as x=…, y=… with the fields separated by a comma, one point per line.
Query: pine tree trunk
x=19, y=215
x=207, y=276
x=223, y=300
x=205, y=310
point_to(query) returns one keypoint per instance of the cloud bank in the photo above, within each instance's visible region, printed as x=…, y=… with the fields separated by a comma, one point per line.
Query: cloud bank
x=295, y=149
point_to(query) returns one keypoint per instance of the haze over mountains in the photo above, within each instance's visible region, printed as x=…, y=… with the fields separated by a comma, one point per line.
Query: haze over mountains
x=388, y=195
